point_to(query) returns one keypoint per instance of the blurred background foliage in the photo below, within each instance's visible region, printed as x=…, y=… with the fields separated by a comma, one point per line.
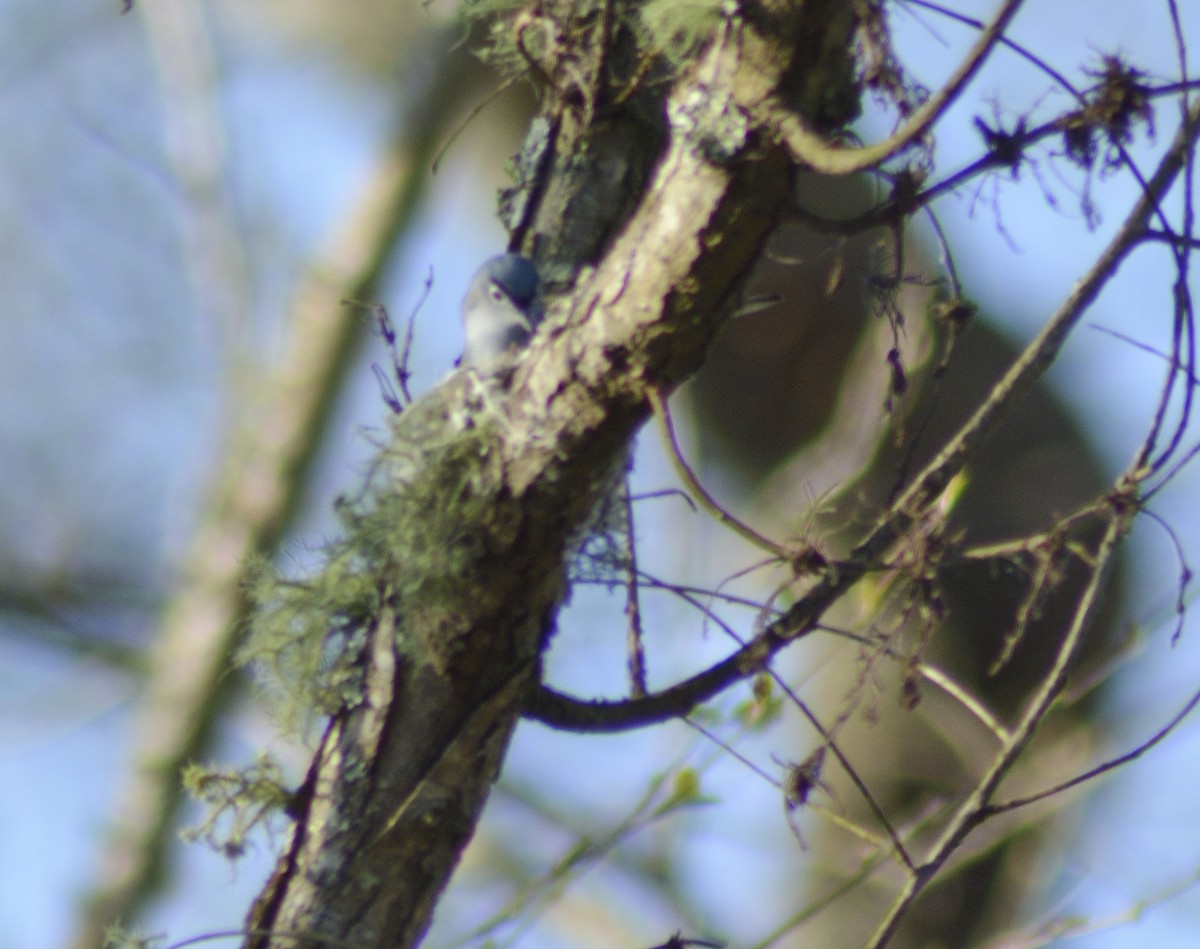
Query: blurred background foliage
x=190, y=190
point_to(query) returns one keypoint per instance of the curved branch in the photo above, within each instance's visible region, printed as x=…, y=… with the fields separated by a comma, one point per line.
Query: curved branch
x=559, y=710
x=554, y=708
x=812, y=151
x=662, y=412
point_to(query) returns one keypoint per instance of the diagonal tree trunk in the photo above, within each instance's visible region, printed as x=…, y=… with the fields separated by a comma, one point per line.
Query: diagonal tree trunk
x=480, y=494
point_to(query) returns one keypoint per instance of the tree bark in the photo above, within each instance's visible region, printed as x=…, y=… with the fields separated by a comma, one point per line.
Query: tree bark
x=486, y=481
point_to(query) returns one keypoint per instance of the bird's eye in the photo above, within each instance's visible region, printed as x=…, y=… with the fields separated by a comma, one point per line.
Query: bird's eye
x=496, y=294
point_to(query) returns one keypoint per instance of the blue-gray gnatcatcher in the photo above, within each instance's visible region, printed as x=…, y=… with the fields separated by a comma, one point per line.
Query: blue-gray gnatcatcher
x=501, y=310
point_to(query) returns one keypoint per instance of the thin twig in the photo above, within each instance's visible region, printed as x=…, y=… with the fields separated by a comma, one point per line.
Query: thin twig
x=973, y=810
x=663, y=413
x=633, y=609
x=810, y=150
x=563, y=711
x=1174, y=722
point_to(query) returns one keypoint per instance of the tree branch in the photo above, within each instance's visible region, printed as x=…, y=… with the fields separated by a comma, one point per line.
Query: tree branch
x=561, y=711
x=476, y=502
x=810, y=150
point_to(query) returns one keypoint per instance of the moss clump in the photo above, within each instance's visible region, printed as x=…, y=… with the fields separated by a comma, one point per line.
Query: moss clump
x=406, y=542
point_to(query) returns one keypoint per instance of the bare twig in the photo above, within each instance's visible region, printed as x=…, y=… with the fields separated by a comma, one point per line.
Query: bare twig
x=633, y=609
x=662, y=412
x=810, y=150
x=562, y=711
x=973, y=810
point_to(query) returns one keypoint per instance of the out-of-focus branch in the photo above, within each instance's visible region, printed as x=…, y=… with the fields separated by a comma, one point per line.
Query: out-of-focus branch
x=179, y=39
x=260, y=475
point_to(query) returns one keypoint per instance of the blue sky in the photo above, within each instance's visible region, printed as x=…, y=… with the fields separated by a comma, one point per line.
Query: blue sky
x=109, y=365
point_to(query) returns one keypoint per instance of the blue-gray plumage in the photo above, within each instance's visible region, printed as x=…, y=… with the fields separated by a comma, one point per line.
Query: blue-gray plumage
x=502, y=308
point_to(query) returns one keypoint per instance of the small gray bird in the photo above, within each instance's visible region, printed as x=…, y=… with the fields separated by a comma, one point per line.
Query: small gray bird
x=501, y=310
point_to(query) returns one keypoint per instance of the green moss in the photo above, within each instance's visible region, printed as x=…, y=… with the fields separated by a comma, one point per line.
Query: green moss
x=407, y=541
x=238, y=801
x=678, y=28
x=501, y=49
